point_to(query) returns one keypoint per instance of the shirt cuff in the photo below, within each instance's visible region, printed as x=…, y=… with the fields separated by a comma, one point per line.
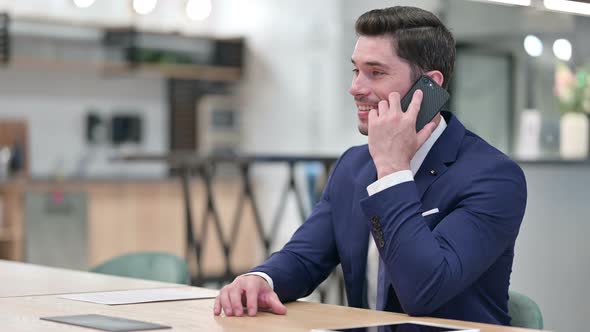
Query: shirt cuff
x=389, y=181
x=264, y=276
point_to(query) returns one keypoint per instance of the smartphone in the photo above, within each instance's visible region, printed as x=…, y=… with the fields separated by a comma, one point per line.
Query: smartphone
x=433, y=100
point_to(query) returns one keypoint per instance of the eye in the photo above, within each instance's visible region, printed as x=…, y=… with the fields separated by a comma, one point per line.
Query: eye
x=355, y=71
x=377, y=73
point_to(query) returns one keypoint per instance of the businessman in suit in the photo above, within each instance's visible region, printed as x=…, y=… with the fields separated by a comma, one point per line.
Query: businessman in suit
x=422, y=223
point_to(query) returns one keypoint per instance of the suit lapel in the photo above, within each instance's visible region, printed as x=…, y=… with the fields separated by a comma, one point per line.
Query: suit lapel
x=432, y=168
x=443, y=153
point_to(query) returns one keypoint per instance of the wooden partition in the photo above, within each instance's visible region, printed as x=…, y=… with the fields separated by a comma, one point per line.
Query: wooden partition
x=128, y=216
x=11, y=215
x=14, y=135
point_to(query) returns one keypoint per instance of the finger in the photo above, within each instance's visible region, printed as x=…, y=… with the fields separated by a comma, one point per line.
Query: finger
x=225, y=302
x=217, y=307
x=252, y=300
x=235, y=296
x=383, y=107
x=271, y=300
x=426, y=132
x=414, y=107
x=394, y=102
x=373, y=116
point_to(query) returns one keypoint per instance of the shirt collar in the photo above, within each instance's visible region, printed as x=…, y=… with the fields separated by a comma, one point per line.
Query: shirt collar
x=420, y=155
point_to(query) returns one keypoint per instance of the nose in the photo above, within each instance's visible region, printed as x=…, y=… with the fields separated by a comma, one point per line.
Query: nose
x=358, y=86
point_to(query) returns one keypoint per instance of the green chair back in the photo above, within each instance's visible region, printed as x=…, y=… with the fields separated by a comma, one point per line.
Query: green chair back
x=158, y=266
x=524, y=311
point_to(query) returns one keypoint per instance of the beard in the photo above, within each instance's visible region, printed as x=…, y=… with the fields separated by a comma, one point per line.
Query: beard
x=363, y=129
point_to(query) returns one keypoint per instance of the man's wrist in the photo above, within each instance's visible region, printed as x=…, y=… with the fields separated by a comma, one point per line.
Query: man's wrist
x=389, y=181
x=262, y=275
x=384, y=171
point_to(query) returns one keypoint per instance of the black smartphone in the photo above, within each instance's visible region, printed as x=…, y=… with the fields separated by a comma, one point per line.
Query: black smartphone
x=433, y=100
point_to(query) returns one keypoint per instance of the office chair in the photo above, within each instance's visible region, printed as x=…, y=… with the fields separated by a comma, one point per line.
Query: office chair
x=158, y=266
x=524, y=311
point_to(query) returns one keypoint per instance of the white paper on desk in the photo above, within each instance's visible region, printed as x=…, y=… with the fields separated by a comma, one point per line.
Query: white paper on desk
x=144, y=295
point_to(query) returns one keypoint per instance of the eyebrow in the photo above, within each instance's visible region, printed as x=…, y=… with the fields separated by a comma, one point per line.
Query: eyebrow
x=372, y=64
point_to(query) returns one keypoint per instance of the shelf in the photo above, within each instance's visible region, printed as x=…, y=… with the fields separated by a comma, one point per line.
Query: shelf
x=117, y=50
x=554, y=162
x=195, y=72
x=34, y=63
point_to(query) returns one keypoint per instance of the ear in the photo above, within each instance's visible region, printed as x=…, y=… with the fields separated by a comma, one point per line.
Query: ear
x=436, y=76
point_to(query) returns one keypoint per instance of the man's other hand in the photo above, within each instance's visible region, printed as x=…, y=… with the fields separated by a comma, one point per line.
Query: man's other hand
x=247, y=292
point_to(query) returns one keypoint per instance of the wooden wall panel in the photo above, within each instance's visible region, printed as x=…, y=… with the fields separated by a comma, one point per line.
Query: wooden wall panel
x=13, y=132
x=145, y=216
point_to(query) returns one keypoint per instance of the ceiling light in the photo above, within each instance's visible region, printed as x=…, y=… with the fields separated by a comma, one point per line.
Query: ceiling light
x=533, y=45
x=513, y=2
x=144, y=7
x=562, y=48
x=83, y=3
x=574, y=7
x=198, y=10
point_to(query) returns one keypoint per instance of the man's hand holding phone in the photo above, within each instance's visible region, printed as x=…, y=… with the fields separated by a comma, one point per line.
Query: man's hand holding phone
x=393, y=140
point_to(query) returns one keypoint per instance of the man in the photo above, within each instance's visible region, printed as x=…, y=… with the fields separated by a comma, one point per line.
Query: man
x=440, y=208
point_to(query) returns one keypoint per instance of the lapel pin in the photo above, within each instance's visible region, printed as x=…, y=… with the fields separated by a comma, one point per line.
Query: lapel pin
x=433, y=172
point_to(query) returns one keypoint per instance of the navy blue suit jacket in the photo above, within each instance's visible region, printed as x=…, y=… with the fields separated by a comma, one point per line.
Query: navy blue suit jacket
x=454, y=264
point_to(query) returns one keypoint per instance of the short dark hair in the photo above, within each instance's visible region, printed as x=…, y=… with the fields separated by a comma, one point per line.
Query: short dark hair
x=419, y=37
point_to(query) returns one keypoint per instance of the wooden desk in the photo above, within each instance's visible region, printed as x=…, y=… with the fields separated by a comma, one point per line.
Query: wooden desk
x=21, y=279
x=22, y=314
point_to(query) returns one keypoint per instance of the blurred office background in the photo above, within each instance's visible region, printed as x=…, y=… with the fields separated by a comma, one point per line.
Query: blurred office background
x=109, y=109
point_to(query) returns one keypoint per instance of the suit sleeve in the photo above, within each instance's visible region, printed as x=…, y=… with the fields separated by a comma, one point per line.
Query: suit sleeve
x=310, y=255
x=429, y=267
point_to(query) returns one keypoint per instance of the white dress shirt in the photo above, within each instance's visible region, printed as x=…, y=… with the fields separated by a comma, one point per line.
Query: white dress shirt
x=375, y=187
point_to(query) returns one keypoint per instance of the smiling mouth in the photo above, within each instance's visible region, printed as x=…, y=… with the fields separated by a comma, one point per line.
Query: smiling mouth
x=365, y=108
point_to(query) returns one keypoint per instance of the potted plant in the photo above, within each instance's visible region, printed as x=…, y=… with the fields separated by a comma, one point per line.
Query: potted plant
x=573, y=98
